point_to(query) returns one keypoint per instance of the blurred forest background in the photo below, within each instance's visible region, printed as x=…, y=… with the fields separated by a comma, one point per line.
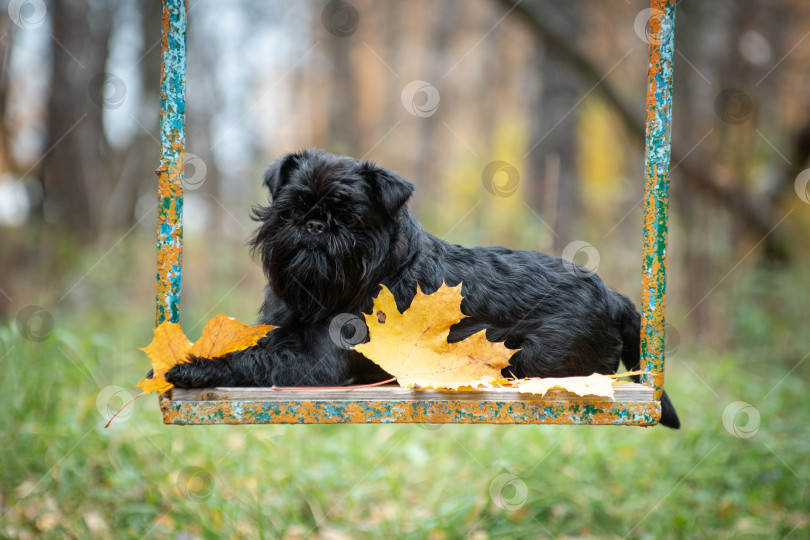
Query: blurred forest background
x=554, y=92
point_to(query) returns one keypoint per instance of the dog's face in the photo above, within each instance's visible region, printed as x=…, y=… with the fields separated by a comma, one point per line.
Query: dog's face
x=325, y=237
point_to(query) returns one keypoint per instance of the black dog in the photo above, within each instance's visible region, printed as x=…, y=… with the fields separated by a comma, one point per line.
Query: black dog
x=337, y=228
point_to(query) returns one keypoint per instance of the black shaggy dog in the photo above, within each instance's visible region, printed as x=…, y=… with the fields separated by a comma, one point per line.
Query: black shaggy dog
x=337, y=228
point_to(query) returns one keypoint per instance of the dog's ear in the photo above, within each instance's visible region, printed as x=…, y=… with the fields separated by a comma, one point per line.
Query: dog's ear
x=278, y=173
x=391, y=189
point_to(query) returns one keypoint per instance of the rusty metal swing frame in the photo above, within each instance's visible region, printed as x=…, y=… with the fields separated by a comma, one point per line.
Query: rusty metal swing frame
x=635, y=404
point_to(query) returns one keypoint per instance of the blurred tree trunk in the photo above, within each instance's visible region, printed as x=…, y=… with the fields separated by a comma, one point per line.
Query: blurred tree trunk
x=446, y=14
x=755, y=213
x=393, y=47
x=76, y=160
x=6, y=44
x=736, y=132
x=554, y=189
x=9, y=258
x=490, y=82
x=205, y=101
x=696, y=117
x=344, y=135
x=137, y=162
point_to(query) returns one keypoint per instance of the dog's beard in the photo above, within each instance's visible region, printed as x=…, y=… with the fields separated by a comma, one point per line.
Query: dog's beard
x=316, y=276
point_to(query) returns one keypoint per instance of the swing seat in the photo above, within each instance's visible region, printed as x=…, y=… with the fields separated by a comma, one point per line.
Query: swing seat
x=634, y=405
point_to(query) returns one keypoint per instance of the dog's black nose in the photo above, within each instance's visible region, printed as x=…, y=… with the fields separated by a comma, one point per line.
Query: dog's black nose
x=315, y=226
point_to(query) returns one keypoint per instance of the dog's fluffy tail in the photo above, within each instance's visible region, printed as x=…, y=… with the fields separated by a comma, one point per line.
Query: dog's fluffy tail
x=631, y=356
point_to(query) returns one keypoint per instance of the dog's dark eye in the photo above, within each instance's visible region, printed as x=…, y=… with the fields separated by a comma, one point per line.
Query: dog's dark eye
x=293, y=214
x=351, y=221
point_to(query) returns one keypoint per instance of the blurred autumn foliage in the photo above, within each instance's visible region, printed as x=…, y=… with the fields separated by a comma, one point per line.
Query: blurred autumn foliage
x=520, y=124
x=554, y=92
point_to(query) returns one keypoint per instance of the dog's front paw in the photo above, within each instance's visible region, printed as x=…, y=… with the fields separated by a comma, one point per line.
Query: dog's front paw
x=186, y=375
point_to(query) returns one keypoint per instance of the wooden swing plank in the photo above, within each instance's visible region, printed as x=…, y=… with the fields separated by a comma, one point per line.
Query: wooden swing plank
x=633, y=405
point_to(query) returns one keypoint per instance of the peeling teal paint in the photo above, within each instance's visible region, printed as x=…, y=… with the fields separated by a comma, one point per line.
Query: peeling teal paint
x=657, y=162
x=409, y=411
x=170, y=171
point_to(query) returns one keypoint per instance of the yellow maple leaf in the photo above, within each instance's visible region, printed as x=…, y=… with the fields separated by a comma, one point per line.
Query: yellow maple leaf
x=170, y=346
x=592, y=385
x=223, y=335
x=413, y=345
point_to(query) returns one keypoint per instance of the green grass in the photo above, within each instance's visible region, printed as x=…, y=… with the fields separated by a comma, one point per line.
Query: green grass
x=63, y=475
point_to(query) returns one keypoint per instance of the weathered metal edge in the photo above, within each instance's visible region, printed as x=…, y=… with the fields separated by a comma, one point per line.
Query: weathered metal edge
x=622, y=393
x=170, y=171
x=408, y=411
x=656, y=190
